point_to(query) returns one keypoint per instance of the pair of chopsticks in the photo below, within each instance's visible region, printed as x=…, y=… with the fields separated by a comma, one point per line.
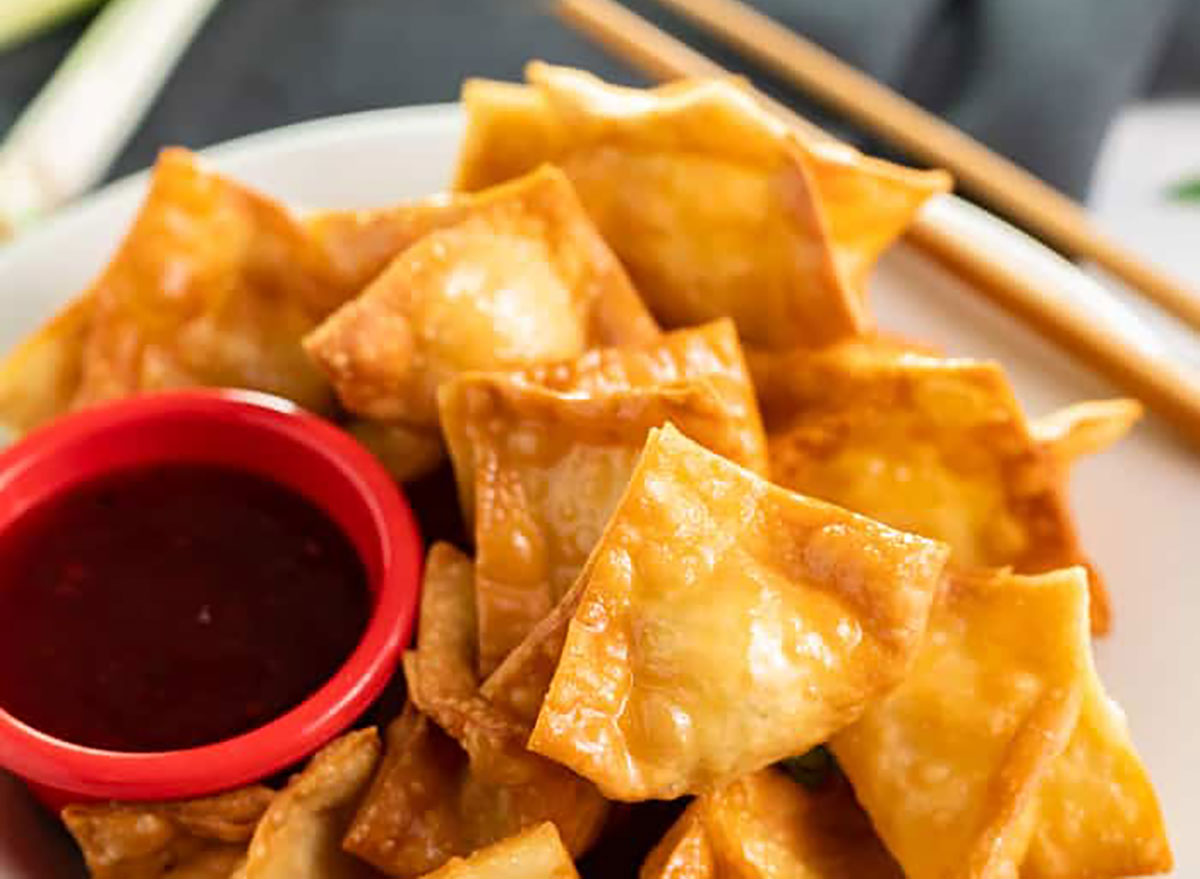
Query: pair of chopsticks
x=68, y=136
x=1167, y=388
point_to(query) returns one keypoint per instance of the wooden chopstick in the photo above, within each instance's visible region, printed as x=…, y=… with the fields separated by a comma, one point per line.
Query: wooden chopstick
x=1015, y=192
x=1163, y=385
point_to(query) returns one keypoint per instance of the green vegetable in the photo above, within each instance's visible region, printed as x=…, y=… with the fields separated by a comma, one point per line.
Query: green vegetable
x=1187, y=189
x=22, y=19
x=70, y=132
x=812, y=769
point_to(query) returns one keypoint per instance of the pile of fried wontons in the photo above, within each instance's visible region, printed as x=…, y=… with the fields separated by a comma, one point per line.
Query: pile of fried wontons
x=715, y=519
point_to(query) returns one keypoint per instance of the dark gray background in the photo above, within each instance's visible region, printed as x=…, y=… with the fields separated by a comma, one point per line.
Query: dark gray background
x=1037, y=79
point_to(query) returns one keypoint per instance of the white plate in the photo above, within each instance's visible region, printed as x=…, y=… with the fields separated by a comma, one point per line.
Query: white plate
x=1150, y=147
x=1137, y=504
x=1129, y=199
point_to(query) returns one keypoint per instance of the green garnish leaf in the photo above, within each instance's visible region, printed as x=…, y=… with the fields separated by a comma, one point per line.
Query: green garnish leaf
x=812, y=769
x=1187, y=190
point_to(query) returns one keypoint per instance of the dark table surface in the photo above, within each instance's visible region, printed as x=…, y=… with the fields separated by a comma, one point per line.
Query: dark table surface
x=257, y=64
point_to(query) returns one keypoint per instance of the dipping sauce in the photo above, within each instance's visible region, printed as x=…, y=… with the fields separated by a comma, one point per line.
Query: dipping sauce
x=172, y=607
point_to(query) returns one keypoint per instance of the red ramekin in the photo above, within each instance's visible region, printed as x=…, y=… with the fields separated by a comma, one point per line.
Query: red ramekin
x=250, y=432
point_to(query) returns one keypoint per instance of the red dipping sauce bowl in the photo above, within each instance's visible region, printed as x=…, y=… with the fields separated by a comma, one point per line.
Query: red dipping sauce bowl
x=240, y=431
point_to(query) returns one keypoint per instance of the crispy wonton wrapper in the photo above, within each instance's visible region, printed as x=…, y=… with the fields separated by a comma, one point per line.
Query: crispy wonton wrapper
x=1086, y=428
x=446, y=639
x=520, y=683
x=299, y=836
x=214, y=284
x=442, y=679
x=40, y=378
x=493, y=723
x=406, y=451
x=521, y=278
x=726, y=624
x=360, y=244
x=537, y=853
x=446, y=788
x=999, y=751
x=428, y=804
x=711, y=352
x=545, y=470
x=765, y=825
x=1097, y=813
x=685, y=852
x=487, y=419
x=407, y=824
x=935, y=446
x=716, y=207
x=193, y=839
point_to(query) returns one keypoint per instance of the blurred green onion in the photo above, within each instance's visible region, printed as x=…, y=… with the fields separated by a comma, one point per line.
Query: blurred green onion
x=66, y=138
x=22, y=19
x=1187, y=189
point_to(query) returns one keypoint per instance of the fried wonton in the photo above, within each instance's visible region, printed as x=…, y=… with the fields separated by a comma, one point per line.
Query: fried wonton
x=299, y=836
x=540, y=471
x=407, y=823
x=537, y=853
x=711, y=352
x=1097, y=813
x=427, y=804
x=214, y=284
x=441, y=672
x=456, y=774
x=684, y=853
x=442, y=684
x=983, y=747
x=200, y=839
x=493, y=722
x=714, y=206
x=522, y=278
x=520, y=683
x=446, y=639
x=765, y=825
x=360, y=244
x=406, y=451
x=935, y=446
x=40, y=378
x=1084, y=428
x=725, y=624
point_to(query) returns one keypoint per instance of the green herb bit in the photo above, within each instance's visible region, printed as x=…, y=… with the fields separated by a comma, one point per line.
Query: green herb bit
x=813, y=769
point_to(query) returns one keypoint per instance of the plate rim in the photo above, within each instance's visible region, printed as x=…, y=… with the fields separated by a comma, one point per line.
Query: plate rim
x=244, y=148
